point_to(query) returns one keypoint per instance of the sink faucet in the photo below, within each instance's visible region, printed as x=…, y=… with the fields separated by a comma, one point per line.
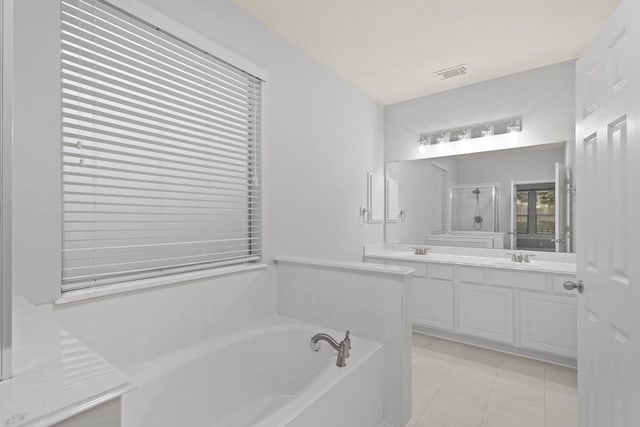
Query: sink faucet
x=420, y=250
x=341, y=347
x=521, y=258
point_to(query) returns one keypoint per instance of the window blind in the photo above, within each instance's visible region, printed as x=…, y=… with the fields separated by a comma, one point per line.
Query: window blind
x=161, y=152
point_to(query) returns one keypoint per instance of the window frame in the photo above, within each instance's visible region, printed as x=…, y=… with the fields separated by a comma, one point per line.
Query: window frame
x=168, y=26
x=532, y=213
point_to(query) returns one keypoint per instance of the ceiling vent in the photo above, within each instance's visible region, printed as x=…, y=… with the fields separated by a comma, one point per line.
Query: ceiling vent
x=450, y=72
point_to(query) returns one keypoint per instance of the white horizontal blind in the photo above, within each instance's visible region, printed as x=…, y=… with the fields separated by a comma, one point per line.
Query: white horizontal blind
x=161, y=152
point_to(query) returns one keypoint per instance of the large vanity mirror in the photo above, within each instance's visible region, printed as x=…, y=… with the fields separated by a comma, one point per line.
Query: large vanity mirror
x=518, y=199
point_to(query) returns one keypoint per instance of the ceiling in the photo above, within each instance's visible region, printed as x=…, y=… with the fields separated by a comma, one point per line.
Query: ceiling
x=390, y=49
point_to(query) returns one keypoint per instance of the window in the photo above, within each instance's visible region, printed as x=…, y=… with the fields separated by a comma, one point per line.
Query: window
x=536, y=210
x=161, y=152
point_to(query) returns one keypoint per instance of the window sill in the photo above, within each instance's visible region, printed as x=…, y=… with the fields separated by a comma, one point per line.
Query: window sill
x=154, y=282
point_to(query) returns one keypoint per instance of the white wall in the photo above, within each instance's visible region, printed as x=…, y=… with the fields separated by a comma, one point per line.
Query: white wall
x=544, y=97
x=414, y=197
x=37, y=152
x=320, y=137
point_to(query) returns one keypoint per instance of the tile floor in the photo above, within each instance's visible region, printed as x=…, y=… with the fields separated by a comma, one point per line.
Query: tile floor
x=457, y=385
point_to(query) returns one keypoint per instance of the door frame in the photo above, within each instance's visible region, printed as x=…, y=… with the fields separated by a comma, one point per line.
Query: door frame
x=6, y=139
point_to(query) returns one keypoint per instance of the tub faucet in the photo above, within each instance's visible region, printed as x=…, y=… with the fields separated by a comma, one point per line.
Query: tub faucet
x=341, y=347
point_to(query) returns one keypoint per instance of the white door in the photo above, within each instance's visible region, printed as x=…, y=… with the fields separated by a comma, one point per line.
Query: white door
x=512, y=230
x=608, y=232
x=561, y=207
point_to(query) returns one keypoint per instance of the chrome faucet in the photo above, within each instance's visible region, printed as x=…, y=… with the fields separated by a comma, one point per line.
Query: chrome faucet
x=521, y=258
x=341, y=347
x=420, y=250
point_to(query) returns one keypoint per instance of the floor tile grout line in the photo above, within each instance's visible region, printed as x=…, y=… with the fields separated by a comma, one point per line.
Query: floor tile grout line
x=484, y=412
x=435, y=394
x=544, y=404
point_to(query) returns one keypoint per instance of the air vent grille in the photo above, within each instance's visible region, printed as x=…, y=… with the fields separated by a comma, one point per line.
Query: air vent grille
x=450, y=72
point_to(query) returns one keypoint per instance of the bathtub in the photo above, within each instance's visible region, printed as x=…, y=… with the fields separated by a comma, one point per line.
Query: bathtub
x=266, y=376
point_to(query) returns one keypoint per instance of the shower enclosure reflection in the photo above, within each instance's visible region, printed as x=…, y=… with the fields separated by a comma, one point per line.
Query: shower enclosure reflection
x=474, y=209
x=476, y=200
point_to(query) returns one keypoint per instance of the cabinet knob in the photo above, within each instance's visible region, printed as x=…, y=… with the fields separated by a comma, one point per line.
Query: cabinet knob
x=570, y=285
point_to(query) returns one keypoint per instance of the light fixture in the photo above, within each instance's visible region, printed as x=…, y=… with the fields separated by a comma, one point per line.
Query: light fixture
x=511, y=126
x=422, y=144
x=514, y=126
x=445, y=137
x=488, y=130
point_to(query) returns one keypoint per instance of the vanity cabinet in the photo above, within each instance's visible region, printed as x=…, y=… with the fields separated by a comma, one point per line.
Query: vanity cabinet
x=486, y=312
x=548, y=323
x=527, y=311
x=433, y=296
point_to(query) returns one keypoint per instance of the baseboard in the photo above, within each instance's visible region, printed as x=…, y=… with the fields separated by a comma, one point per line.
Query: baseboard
x=491, y=345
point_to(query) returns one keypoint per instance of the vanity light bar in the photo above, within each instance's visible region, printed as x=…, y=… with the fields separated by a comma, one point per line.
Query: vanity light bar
x=468, y=132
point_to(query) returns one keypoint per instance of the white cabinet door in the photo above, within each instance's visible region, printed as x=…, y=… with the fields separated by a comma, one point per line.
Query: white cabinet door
x=548, y=323
x=433, y=303
x=486, y=312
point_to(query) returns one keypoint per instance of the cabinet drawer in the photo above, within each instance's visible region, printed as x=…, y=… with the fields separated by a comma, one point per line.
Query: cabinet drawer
x=486, y=312
x=471, y=275
x=548, y=323
x=440, y=271
x=558, y=288
x=433, y=303
x=519, y=279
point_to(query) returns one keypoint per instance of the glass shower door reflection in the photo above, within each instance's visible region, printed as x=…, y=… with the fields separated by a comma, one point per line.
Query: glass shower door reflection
x=473, y=208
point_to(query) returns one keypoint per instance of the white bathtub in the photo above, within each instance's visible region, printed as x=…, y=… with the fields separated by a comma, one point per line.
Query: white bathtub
x=266, y=376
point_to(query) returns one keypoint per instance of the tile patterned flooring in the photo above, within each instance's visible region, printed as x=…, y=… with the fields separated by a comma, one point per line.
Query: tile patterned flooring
x=457, y=385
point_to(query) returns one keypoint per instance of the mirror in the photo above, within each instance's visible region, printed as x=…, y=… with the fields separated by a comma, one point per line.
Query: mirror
x=507, y=199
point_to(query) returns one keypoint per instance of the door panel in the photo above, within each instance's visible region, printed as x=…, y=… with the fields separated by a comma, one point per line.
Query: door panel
x=608, y=246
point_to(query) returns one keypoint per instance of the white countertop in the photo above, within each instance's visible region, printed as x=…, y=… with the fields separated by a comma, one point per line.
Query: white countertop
x=55, y=375
x=346, y=265
x=475, y=261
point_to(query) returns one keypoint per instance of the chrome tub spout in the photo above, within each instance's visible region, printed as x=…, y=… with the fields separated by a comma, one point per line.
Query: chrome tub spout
x=341, y=347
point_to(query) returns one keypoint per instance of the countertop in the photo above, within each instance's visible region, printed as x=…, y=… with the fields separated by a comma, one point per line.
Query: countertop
x=346, y=265
x=55, y=376
x=475, y=261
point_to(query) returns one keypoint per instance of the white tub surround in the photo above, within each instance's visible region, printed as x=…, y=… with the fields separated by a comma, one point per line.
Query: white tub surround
x=481, y=297
x=130, y=329
x=263, y=376
x=470, y=239
x=373, y=301
x=214, y=349
x=56, y=377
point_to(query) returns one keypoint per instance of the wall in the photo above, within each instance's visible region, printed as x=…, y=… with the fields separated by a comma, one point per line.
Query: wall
x=544, y=97
x=414, y=195
x=320, y=137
